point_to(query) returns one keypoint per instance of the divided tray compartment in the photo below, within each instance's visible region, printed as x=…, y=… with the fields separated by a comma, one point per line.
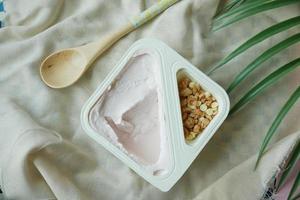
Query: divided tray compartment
x=181, y=154
x=184, y=68
x=184, y=72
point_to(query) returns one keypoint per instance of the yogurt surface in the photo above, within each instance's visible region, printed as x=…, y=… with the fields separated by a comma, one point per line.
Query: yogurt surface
x=130, y=114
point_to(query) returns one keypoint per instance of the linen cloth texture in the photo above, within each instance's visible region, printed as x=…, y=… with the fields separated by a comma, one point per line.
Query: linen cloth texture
x=45, y=154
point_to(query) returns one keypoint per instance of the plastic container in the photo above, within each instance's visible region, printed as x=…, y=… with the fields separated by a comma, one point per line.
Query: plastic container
x=181, y=153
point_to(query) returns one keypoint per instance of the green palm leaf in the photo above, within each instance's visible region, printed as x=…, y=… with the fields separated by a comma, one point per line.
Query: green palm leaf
x=249, y=5
x=268, y=81
x=247, y=9
x=262, y=58
x=291, y=164
x=232, y=4
x=229, y=5
x=296, y=184
x=235, y=10
x=285, y=109
x=277, y=28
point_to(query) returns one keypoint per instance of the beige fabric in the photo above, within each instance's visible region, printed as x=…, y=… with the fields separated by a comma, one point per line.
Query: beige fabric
x=44, y=153
x=242, y=182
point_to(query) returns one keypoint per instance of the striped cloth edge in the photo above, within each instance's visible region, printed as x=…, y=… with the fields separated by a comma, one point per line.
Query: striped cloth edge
x=2, y=13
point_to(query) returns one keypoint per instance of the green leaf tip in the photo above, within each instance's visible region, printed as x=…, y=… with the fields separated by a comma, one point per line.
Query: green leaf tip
x=247, y=9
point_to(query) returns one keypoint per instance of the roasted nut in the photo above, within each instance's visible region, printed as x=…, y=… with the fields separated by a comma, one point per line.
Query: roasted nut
x=207, y=94
x=192, y=85
x=197, y=128
x=194, y=91
x=190, y=137
x=189, y=122
x=193, y=107
x=215, y=111
x=186, y=132
x=192, y=115
x=198, y=103
x=203, y=107
x=214, y=104
x=198, y=112
x=201, y=95
x=208, y=103
x=191, y=100
x=186, y=92
x=208, y=117
x=186, y=110
x=184, y=83
x=204, y=123
x=209, y=111
x=183, y=102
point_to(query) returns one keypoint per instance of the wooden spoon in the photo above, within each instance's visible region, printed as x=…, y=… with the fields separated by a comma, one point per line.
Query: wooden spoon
x=63, y=68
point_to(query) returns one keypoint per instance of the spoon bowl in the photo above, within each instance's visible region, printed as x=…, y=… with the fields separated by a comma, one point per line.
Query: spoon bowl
x=63, y=68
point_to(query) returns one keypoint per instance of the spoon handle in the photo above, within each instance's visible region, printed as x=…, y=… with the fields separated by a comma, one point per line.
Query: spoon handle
x=94, y=49
x=151, y=12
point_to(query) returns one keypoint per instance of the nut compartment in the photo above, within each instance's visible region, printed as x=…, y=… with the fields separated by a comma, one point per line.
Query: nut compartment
x=198, y=106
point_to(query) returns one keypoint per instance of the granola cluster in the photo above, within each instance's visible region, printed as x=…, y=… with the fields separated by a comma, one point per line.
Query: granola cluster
x=198, y=107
